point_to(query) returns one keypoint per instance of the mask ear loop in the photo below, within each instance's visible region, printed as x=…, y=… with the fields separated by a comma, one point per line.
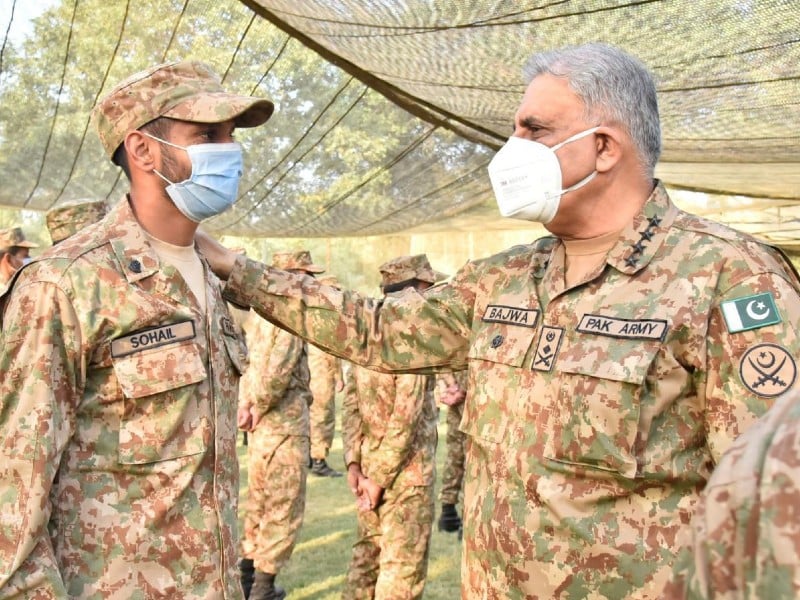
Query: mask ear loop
x=158, y=139
x=591, y=175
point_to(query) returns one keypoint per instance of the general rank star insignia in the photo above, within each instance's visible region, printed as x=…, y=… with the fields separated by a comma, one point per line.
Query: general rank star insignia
x=655, y=221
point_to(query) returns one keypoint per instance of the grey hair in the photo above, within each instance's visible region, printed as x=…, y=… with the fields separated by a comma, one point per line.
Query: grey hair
x=613, y=85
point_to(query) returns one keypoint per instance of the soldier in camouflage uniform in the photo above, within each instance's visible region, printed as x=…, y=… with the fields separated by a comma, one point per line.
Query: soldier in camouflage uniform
x=389, y=432
x=14, y=253
x=273, y=408
x=120, y=365
x=746, y=531
x=68, y=218
x=611, y=364
x=326, y=380
x=452, y=392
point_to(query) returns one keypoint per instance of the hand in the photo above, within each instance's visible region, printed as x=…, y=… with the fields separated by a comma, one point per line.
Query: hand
x=354, y=477
x=340, y=385
x=454, y=394
x=220, y=259
x=248, y=417
x=371, y=495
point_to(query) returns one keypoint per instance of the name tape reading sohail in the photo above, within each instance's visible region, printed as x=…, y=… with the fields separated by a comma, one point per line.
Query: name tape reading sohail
x=525, y=317
x=152, y=338
x=640, y=329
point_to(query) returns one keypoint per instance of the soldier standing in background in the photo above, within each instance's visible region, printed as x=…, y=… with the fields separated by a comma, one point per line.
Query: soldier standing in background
x=389, y=432
x=326, y=380
x=14, y=254
x=120, y=368
x=611, y=363
x=68, y=218
x=273, y=409
x=452, y=392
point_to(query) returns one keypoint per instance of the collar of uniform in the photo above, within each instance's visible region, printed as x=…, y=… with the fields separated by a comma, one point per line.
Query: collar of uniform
x=644, y=235
x=136, y=257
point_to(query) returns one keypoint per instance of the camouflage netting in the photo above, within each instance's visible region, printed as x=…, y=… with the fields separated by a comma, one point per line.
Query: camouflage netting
x=388, y=111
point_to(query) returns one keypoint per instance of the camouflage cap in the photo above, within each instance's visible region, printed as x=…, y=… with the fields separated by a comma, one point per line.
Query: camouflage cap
x=330, y=280
x=68, y=218
x=14, y=237
x=408, y=268
x=185, y=90
x=300, y=259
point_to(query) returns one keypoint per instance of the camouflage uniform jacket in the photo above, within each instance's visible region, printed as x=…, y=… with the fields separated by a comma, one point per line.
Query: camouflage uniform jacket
x=326, y=373
x=277, y=379
x=594, y=413
x=389, y=427
x=747, y=534
x=118, y=468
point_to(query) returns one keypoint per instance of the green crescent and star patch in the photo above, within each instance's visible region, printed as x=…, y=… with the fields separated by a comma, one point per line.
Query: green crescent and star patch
x=750, y=312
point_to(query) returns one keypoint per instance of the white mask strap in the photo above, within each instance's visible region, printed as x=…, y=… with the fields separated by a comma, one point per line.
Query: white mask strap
x=577, y=136
x=158, y=139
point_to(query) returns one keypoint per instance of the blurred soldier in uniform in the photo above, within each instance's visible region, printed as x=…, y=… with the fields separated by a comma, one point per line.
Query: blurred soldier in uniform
x=746, y=530
x=326, y=380
x=273, y=408
x=118, y=468
x=452, y=392
x=68, y=218
x=389, y=432
x=611, y=364
x=14, y=253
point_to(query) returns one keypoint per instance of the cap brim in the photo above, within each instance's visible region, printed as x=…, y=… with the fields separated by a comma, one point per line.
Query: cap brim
x=26, y=244
x=217, y=107
x=313, y=269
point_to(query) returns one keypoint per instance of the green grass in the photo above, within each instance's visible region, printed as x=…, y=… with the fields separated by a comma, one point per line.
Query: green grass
x=317, y=568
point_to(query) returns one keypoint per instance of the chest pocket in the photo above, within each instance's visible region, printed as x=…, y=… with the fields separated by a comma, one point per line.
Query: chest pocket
x=596, y=413
x=163, y=415
x=497, y=381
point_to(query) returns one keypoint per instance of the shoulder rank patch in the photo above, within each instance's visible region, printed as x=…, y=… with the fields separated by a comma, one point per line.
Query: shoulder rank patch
x=144, y=339
x=767, y=370
x=513, y=315
x=636, y=329
x=750, y=312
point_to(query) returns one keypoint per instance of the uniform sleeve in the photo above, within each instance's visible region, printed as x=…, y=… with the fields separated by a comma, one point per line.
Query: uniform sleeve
x=271, y=366
x=351, y=421
x=747, y=369
x=409, y=332
x=42, y=381
x=397, y=443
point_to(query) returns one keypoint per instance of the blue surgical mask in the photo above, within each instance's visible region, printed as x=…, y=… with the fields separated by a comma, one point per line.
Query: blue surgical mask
x=213, y=186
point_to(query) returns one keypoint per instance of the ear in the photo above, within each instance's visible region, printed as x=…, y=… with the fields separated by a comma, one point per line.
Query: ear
x=610, y=146
x=143, y=152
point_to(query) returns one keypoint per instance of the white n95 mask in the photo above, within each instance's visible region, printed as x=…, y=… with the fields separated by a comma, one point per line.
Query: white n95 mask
x=526, y=178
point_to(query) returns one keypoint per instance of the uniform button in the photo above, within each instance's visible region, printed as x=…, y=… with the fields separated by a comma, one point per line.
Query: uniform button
x=135, y=266
x=497, y=341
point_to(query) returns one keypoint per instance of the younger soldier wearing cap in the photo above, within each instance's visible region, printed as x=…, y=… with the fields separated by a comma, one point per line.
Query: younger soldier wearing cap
x=389, y=432
x=68, y=218
x=14, y=253
x=326, y=380
x=118, y=468
x=273, y=408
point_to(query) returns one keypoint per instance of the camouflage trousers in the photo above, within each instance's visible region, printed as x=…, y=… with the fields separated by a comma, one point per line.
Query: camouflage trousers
x=322, y=424
x=453, y=472
x=390, y=556
x=276, y=498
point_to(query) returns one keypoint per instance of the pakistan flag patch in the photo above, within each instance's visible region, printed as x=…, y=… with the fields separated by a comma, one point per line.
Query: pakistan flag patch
x=750, y=312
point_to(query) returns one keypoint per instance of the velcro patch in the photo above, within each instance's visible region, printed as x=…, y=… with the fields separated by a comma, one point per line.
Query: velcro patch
x=638, y=329
x=750, y=312
x=767, y=370
x=144, y=339
x=512, y=315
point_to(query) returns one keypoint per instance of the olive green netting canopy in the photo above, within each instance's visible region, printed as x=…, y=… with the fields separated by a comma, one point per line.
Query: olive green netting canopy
x=388, y=111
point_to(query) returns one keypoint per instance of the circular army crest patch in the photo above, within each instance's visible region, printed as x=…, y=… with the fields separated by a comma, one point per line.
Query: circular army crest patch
x=767, y=370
